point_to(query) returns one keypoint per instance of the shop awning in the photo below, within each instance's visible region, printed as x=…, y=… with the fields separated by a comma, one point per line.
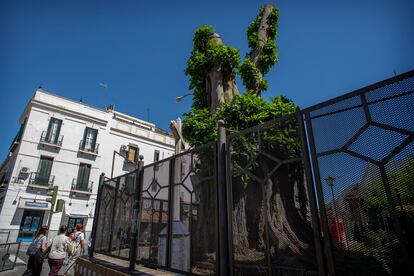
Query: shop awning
x=26, y=203
x=76, y=211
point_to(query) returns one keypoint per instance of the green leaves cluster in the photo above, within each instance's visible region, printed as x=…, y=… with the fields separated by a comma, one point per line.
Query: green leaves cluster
x=206, y=54
x=268, y=52
x=251, y=76
x=375, y=201
x=243, y=111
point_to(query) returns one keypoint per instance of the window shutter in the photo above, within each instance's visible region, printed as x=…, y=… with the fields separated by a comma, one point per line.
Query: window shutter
x=131, y=154
x=44, y=169
x=94, y=134
x=83, y=177
x=49, y=130
x=59, y=125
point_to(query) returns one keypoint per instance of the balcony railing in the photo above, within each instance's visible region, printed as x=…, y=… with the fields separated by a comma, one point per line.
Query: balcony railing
x=82, y=186
x=49, y=139
x=88, y=147
x=41, y=180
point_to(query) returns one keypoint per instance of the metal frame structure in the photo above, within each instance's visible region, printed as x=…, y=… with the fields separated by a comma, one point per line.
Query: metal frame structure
x=307, y=159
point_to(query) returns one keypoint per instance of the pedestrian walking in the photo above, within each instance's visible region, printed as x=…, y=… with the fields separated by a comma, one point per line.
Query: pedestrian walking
x=71, y=234
x=78, y=244
x=59, y=247
x=35, y=252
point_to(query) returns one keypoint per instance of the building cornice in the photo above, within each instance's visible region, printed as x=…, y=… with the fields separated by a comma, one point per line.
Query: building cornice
x=35, y=102
x=142, y=137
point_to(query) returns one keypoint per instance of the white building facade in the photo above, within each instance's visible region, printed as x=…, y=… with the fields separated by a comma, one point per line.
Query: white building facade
x=69, y=144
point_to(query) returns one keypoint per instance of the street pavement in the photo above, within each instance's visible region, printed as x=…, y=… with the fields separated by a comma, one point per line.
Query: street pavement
x=21, y=263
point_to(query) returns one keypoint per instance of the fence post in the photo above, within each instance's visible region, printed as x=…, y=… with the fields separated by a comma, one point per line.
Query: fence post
x=135, y=214
x=171, y=187
x=315, y=166
x=225, y=267
x=96, y=215
x=111, y=227
x=312, y=198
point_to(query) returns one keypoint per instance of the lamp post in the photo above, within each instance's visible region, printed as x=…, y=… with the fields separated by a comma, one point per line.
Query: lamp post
x=330, y=181
x=180, y=98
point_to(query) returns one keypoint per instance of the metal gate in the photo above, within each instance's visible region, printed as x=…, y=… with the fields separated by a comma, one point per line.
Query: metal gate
x=8, y=253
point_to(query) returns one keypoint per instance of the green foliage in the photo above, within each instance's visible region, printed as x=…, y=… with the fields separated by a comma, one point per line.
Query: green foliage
x=375, y=200
x=243, y=111
x=252, y=34
x=206, y=54
x=250, y=74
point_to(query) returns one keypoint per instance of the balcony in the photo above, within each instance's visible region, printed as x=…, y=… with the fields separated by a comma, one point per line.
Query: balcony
x=40, y=181
x=82, y=186
x=50, y=140
x=88, y=147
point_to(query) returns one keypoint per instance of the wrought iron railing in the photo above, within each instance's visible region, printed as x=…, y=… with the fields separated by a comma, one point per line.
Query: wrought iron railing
x=51, y=139
x=88, y=146
x=82, y=186
x=41, y=180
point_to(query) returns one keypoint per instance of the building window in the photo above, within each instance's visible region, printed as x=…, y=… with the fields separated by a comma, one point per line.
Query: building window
x=42, y=176
x=84, y=172
x=156, y=155
x=89, y=139
x=53, y=130
x=132, y=156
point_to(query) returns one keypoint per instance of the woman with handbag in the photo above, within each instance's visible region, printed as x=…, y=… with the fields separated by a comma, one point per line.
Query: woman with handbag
x=35, y=252
x=58, y=249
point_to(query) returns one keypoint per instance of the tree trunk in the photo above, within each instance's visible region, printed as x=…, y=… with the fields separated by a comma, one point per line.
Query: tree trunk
x=240, y=233
x=262, y=37
x=220, y=87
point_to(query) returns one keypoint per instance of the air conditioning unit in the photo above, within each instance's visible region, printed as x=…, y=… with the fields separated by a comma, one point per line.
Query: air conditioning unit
x=24, y=170
x=124, y=148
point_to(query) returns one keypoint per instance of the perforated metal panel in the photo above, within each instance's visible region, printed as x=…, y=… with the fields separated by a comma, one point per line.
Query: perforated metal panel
x=365, y=156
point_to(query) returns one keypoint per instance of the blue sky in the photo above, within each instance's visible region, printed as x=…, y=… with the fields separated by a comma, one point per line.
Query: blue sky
x=140, y=49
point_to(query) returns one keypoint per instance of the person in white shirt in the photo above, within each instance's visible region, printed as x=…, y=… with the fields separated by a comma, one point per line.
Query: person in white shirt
x=78, y=244
x=79, y=240
x=59, y=247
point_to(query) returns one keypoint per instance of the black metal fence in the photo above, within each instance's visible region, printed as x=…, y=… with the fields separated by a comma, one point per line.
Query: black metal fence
x=327, y=190
x=8, y=252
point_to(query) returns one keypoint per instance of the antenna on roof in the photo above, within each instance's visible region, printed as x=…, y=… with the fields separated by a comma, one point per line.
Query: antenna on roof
x=111, y=107
x=40, y=86
x=81, y=100
x=148, y=114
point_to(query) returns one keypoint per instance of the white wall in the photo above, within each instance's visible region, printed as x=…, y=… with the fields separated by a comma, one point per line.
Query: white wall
x=75, y=116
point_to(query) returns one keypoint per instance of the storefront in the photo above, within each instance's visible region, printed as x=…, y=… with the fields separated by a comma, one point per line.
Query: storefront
x=34, y=214
x=75, y=215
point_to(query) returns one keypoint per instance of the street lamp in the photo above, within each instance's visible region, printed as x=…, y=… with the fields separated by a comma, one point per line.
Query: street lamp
x=180, y=98
x=331, y=182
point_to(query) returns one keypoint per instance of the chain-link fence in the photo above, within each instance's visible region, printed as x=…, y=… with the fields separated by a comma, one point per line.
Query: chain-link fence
x=327, y=190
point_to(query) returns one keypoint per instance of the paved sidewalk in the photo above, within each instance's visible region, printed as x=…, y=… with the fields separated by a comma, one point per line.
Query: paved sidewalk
x=21, y=267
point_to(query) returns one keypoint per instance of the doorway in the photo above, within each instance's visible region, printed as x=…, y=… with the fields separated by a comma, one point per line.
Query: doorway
x=31, y=222
x=72, y=222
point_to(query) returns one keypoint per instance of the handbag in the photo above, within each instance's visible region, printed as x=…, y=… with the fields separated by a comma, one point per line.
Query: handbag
x=31, y=250
x=45, y=254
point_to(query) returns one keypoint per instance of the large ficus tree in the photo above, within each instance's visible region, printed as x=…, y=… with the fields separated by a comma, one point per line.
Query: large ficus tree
x=212, y=69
